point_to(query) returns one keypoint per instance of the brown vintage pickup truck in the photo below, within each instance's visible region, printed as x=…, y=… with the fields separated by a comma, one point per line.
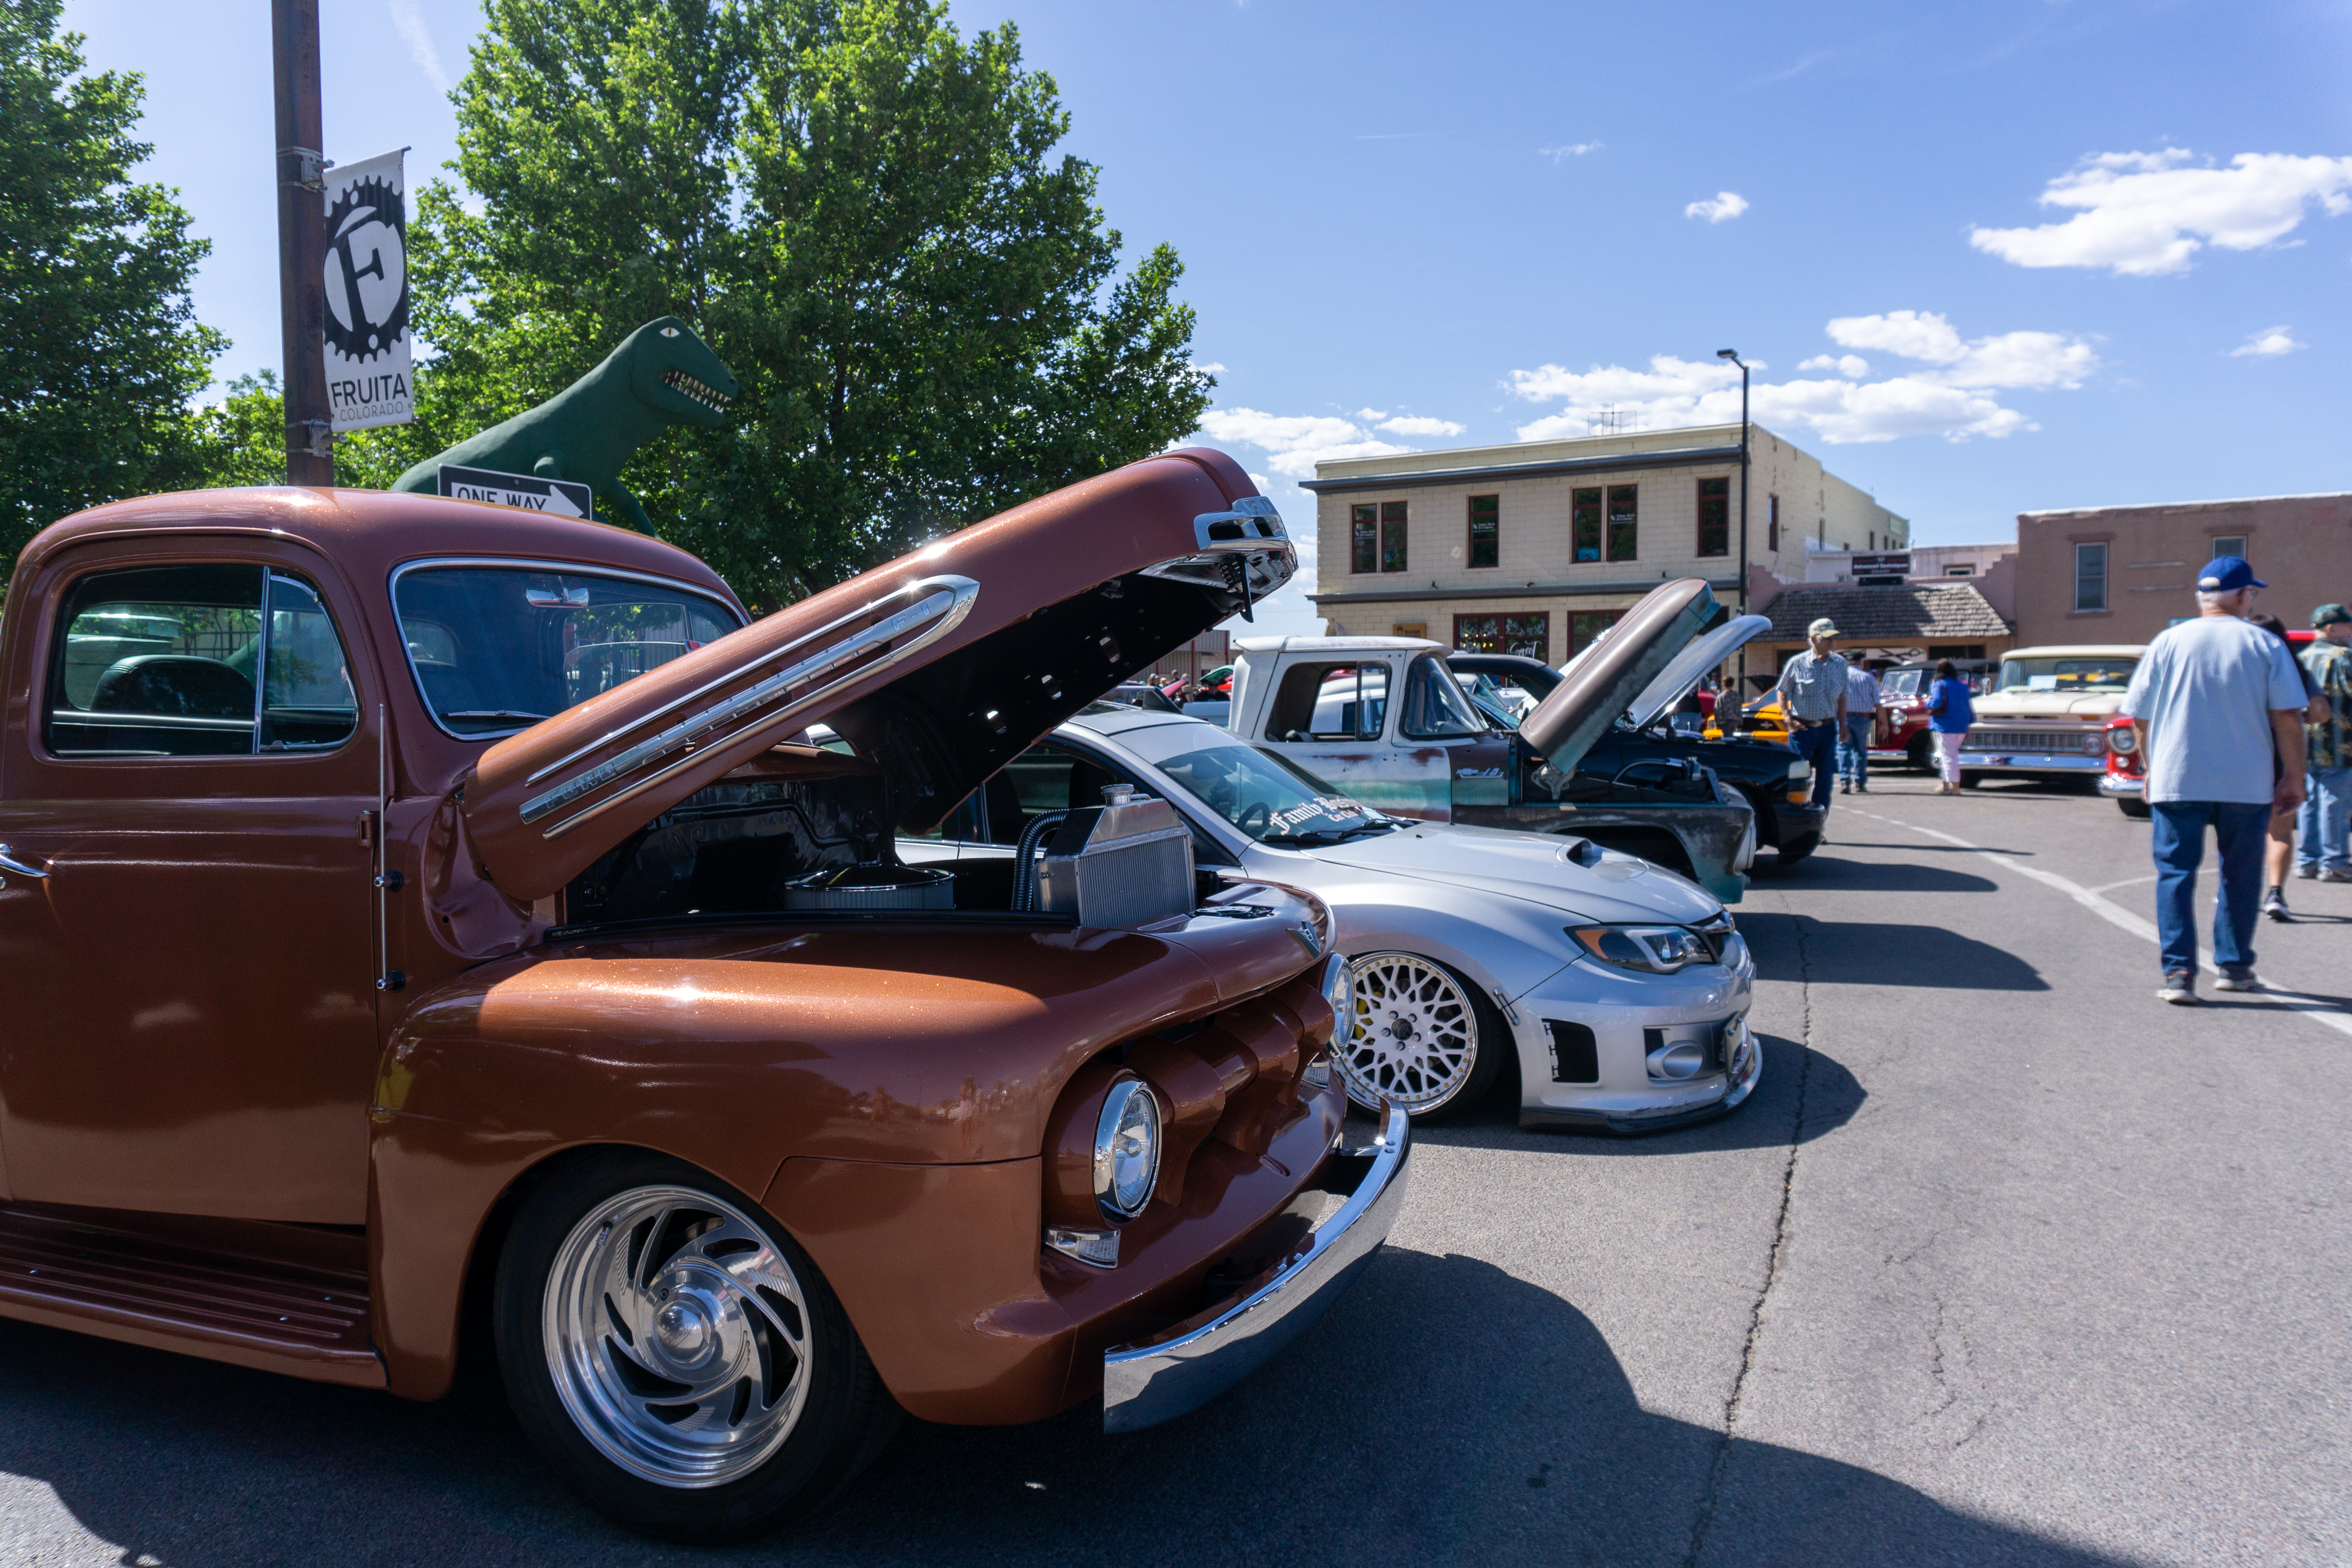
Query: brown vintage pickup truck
x=415, y=912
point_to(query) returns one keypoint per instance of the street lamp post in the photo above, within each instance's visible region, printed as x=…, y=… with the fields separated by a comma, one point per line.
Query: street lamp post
x=1733, y=356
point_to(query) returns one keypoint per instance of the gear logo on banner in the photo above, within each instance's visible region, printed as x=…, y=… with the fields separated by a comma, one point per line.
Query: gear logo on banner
x=366, y=319
x=367, y=270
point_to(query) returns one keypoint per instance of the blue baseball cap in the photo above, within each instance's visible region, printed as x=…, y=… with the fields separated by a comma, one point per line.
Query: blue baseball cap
x=2227, y=574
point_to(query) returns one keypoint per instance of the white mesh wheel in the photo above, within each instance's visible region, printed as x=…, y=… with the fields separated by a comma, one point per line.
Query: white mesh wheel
x=1415, y=1042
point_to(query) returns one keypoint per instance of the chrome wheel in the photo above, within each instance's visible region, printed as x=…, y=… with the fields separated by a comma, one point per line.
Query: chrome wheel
x=1415, y=1043
x=677, y=1336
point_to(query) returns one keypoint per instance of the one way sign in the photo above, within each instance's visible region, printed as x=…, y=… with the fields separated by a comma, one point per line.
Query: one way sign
x=559, y=497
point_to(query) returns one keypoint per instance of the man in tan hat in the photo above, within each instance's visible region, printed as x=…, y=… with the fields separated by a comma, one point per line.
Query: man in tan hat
x=1812, y=688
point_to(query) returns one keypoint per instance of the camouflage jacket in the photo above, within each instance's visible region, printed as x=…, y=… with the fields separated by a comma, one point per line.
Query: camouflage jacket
x=2330, y=668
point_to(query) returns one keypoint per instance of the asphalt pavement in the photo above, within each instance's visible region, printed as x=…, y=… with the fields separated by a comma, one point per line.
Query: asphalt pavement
x=2005, y=1262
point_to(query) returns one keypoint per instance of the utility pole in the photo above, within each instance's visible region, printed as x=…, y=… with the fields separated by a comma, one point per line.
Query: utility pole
x=1733, y=356
x=301, y=242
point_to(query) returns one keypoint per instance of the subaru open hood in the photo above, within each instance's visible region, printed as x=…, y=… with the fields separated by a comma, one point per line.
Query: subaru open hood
x=941, y=666
x=1705, y=653
x=1603, y=682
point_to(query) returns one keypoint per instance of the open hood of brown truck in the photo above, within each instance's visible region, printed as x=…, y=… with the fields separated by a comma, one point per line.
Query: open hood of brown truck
x=1604, y=682
x=941, y=666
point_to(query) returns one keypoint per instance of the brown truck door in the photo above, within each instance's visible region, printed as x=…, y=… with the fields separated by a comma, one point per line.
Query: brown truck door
x=190, y=1024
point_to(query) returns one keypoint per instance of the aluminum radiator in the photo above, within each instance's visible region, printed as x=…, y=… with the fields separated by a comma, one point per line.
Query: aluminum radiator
x=1128, y=862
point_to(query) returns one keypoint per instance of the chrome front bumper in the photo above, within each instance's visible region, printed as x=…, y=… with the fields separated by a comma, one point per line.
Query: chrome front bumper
x=2122, y=785
x=2034, y=762
x=1186, y=1366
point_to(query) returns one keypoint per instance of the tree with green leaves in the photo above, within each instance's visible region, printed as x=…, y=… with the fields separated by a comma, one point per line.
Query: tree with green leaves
x=100, y=353
x=862, y=214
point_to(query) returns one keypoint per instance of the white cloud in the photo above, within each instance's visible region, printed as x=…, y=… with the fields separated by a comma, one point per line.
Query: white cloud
x=1294, y=444
x=1416, y=424
x=2268, y=343
x=1372, y=413
x=1572, y=150
x=2145, y=213
x=2011, y=359
x=1726, y=205
x=1212, y=368
x=411, y=27
x=1953, y=394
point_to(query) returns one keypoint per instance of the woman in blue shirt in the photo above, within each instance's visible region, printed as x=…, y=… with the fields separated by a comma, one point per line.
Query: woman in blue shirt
x=1949, y=714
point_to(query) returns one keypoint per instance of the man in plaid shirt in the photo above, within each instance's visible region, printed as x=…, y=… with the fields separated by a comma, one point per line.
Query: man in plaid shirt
x=1812, y=690
x=2326, y=820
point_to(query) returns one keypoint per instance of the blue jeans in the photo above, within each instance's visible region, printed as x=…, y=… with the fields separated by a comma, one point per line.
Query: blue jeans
x=2180, y=843
x=1817, y=745
x=1854, y=749
x=2325, y=823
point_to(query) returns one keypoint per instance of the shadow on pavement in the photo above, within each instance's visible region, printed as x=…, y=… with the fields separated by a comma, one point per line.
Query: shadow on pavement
x=1831, y=1097
x=1444, y=1411
x=1875, y=953
x=1831, y=874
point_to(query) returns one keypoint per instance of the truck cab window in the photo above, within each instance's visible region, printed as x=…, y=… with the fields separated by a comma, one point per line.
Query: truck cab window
x=163, y=661
x=1434, y=708
x=156, y=661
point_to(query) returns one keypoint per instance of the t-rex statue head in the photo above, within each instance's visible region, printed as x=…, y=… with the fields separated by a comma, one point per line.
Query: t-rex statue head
x=675, y=372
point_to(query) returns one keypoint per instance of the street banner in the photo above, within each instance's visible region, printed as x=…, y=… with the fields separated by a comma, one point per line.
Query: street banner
x=367, y=294
x=557, y=498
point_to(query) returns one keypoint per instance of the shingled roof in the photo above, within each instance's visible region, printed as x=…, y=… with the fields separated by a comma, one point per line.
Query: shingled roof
x=1901, y=613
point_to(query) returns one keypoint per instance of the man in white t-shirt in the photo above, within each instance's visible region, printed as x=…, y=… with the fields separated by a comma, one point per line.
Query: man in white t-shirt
x=2218, y=705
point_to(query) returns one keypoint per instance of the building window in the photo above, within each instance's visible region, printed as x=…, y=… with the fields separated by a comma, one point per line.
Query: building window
x=1956, y=650
x=1960, y=571
x=2228, y=544
x=1622, y=519
x=1364, y=539
x=1486, y=530
x=1528, y=634
x=1584, y=524
x=1715, y=517
x=2091, y=576
x=1583, y=626
x=1771, y=522
x=1874, y=540
x=1392, y=536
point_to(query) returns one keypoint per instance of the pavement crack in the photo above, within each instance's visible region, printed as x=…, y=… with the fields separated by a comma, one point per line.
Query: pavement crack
x=1734, y=1401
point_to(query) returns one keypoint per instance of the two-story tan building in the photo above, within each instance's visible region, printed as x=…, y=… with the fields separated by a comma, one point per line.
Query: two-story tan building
x=1534, y=547
x=2122, y=573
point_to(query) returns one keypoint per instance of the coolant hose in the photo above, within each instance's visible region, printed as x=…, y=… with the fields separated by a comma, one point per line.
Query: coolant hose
x=1024, y=860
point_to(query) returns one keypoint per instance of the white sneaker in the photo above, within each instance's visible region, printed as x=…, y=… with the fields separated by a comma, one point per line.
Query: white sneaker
x=2239, y=978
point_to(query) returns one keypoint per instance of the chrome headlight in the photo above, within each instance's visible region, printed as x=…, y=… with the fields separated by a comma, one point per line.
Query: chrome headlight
x=1652, y=949
x=1127, y=1150
x=2121, y=741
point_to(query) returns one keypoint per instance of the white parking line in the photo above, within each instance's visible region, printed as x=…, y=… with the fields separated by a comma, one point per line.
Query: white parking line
x=2326, y=1013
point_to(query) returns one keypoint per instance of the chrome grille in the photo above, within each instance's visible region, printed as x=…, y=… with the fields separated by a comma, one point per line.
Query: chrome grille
x=2091, y=742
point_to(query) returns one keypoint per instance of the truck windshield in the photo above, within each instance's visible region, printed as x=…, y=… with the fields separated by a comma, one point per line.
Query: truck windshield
x=2076, y=672
x=498, y=648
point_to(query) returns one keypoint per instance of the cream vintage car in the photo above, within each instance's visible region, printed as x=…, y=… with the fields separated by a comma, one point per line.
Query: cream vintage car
x=2047, y=711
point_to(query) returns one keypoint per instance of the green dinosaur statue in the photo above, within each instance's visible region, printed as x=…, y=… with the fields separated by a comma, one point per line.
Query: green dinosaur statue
x=661, y=375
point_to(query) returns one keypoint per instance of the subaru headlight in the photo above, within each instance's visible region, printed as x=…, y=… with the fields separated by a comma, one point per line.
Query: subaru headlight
x=1339, y=988
x=1651, y=949
x=1127, y=1150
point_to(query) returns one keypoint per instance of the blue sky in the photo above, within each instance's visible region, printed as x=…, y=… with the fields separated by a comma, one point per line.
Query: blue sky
x=2015, y=255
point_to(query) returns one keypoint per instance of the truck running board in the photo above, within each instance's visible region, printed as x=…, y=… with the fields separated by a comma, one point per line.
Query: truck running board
x=281, y=1297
